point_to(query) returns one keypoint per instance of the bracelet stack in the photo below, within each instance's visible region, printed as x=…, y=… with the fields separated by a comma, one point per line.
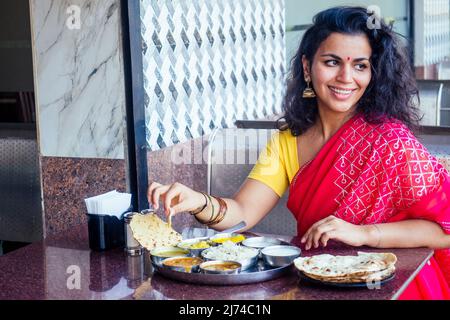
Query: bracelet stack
x=216, y=217
x=220, y=215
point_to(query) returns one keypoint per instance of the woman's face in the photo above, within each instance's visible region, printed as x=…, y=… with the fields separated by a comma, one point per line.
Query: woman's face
x=340, y=72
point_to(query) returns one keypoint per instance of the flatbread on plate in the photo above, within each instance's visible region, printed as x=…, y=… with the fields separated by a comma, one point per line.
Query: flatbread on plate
x=151, y=232
x=376, y=276
x=365, y=266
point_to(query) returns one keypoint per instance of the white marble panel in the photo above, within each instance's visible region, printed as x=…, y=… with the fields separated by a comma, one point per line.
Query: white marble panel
x=79, y=79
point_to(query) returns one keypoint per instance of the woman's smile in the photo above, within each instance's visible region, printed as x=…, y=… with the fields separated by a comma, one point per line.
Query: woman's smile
x=341, y=93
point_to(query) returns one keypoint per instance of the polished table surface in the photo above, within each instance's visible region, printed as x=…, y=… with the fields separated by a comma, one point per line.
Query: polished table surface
x=63, y=267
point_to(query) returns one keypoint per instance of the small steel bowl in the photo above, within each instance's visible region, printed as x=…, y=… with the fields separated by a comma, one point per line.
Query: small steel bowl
x=193, y=264
x=213, y=267
x=260, y=243
x=280, y=256
x=245, y=263
x=158, y=254
x=250, y=262
x=185, y=245
x=220, y=238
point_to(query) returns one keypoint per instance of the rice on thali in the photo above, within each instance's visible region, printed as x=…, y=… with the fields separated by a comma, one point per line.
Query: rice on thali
x=230, y=251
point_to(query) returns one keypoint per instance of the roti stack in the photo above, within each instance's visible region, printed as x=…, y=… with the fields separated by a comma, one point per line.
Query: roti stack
x=151, y=232
x=365, y=267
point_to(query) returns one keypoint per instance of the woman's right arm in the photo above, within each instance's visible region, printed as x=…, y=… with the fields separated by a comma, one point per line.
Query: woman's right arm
x=250, y=204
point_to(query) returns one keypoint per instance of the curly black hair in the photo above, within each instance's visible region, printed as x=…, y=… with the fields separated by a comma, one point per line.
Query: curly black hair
x=392, y=91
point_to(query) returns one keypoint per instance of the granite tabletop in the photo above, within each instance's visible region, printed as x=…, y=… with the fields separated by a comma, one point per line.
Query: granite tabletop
x=63, y=267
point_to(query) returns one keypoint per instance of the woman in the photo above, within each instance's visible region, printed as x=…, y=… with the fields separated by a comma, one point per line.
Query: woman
x=354, y=170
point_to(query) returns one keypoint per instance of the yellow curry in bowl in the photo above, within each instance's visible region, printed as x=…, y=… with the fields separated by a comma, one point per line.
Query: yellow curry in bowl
x=200, y=245
x=188, y=244
x=183, y=264
x=221, y=238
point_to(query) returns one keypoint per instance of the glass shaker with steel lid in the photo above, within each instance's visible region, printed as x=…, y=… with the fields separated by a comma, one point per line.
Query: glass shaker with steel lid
x=132, y=247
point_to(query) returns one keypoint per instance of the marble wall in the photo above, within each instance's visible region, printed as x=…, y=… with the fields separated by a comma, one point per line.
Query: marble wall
x=79, y=78
x=80, y=101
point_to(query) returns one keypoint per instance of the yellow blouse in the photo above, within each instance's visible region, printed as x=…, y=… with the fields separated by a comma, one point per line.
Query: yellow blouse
x=278, y=163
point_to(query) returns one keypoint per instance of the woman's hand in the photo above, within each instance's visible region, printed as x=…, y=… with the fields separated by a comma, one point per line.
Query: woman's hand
x=336, y=229
x=176, y=197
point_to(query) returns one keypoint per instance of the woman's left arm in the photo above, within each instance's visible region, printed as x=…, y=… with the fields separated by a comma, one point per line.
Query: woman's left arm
x=402, y=234
x=406, y=234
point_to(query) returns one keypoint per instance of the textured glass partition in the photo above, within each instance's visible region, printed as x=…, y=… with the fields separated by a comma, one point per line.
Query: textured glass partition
x=208, y=63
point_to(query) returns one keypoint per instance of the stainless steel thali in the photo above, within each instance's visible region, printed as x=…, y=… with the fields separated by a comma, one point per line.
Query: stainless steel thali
x=259, y=273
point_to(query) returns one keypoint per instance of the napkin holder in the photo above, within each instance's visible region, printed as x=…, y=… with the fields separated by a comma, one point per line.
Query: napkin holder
x=105, y=232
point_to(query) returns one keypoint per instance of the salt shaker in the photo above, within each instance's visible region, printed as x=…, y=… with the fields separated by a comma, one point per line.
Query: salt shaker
x=132, y=247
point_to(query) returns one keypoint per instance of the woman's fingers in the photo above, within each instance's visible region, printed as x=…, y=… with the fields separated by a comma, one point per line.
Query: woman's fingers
x=331, y=228
x=314, y=227
x=172, y=193
x=327, y=236
x=156, y=194
x=322, y=229
x=174, y=197
x=181, y=206
x=315, y=232
x=150, y=190
x=309, y=231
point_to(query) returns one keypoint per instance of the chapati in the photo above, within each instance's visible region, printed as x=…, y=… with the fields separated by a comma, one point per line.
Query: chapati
x=363, y=267
x=151, y=232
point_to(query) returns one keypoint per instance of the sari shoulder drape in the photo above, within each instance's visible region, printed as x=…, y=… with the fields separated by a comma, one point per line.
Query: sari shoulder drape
x=389, y=171
x=373, y=173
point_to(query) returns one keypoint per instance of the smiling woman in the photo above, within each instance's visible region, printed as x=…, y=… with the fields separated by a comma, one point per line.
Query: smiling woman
x=355, y=172
x=339, y=82
x=355, y=149
x=340, y=54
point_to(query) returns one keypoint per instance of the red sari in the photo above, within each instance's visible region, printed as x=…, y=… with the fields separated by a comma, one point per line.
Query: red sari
x=377, y=173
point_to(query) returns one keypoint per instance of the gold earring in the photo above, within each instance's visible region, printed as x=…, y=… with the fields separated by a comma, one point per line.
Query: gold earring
x=308, y=93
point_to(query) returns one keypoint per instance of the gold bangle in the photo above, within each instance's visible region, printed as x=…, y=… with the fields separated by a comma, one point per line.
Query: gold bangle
x=213, y=216
x=212, y=211
x=195, y=212
x=220, y=220
x=221, y=214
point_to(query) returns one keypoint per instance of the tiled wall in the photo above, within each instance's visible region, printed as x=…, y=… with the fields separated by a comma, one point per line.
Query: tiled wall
x=209, y=63
x=79, y=86
x=206, y=65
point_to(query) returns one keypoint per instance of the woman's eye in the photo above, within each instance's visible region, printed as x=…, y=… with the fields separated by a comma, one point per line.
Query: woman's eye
x=331, y=63
x=361, y=67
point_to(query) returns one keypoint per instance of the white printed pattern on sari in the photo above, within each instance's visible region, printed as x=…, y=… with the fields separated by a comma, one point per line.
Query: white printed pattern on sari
x=383, y=168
